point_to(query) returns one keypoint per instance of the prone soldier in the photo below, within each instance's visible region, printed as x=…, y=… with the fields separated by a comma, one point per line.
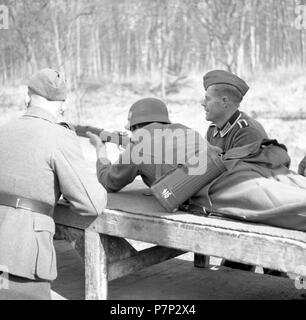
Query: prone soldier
x=146, y=118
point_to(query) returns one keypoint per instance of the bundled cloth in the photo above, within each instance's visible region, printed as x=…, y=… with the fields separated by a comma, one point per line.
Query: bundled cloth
x=258, y=187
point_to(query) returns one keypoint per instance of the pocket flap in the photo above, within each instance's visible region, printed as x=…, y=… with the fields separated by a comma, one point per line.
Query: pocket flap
x=44, y=223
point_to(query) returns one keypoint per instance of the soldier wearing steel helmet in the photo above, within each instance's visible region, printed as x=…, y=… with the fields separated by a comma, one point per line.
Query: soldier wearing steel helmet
x=149, y=119
x=40, y=161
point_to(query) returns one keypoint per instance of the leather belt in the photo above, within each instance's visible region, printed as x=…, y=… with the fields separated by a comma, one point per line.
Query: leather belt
x=25, y=204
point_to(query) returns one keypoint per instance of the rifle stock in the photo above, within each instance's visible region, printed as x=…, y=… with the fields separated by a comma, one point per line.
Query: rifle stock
x=119, y=138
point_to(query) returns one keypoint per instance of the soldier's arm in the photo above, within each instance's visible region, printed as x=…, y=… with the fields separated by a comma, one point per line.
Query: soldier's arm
x=77, y=184
x=116, y=176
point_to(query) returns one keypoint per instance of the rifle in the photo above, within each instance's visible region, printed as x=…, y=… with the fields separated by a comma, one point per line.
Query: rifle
x=119, y=138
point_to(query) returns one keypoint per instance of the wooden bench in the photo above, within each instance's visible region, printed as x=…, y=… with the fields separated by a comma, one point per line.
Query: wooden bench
x=132, y=214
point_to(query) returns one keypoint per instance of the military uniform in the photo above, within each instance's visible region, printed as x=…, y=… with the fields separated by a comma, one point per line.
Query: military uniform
x=258, y=186
x=40, y=161
x=116, y=176
x=240, y=130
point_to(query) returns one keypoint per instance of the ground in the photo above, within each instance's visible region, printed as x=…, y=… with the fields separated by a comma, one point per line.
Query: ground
x=175, y=279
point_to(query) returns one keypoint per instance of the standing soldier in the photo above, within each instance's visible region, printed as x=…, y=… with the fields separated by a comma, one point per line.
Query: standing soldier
x=40, y=161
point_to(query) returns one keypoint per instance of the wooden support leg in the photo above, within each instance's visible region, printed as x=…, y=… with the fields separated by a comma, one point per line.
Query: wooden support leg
x=96, y=284
x=201, y=261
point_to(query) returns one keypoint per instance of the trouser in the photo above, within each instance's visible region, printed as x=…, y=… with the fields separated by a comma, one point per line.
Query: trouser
x=19, y=288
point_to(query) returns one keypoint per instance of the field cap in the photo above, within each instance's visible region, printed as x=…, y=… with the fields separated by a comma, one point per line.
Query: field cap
x=48, y=84
x=225, y=77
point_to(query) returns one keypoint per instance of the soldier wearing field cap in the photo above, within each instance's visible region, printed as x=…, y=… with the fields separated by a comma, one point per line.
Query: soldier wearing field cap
x=229, y=127
x=40, y=161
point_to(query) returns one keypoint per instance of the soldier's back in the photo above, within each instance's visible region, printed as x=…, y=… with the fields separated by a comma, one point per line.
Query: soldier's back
x=27, y=145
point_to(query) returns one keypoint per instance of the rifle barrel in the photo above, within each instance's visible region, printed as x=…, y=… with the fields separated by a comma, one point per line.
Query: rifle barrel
x=106, y=136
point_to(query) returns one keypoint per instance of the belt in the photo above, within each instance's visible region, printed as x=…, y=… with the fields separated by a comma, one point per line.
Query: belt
x=25, y=204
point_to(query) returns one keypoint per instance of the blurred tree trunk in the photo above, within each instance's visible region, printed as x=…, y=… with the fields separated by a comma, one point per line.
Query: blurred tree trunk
x=149, y=39
x=4, y=68
x=78, y=44
x=56, y=39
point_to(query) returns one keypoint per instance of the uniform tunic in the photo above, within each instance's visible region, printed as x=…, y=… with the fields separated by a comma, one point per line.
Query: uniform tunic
x=153, y=158
x=40, y=160
x=240, y=130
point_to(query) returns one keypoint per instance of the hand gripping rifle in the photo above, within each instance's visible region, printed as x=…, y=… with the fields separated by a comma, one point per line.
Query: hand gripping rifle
x=121, y=139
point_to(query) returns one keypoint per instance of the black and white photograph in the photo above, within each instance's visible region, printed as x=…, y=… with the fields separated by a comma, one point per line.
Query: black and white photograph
x=153, y=151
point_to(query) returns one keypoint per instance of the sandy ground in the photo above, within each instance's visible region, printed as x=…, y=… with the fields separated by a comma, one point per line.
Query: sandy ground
x=176, y=279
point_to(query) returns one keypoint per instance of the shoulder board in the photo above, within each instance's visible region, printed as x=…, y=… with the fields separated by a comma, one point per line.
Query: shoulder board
x=67, y=126
x=242, y=123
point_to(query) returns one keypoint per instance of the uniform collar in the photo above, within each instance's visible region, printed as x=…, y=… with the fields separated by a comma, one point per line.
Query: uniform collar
x=36, y=112
x=228, y=126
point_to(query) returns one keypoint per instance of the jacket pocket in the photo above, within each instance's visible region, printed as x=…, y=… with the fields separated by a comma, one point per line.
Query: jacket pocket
x=44, y=229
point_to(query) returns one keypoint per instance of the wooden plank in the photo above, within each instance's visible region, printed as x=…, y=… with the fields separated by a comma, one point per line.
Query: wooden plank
x=132, y=200
x=96, y=285
x=275, y=252
x=143, y=259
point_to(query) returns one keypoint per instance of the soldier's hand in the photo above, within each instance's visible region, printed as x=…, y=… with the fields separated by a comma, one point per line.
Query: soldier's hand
x=302, y=167
x=98, y=144
x=94, y=139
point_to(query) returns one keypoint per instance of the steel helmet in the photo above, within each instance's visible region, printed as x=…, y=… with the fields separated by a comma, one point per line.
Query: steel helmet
x=147, y=110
